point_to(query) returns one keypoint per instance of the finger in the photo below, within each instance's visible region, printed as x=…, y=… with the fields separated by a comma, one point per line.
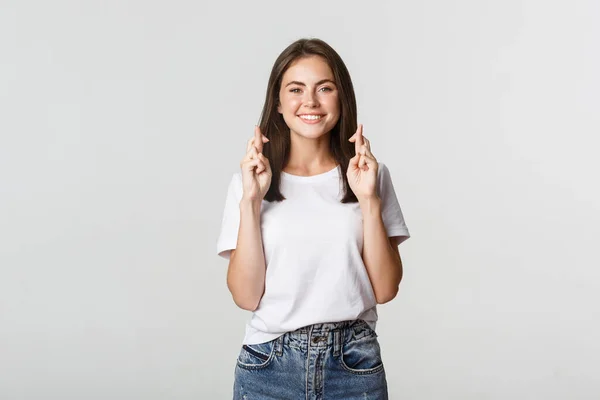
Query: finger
x=353, y=137
x=246, y=158
x=365, y=155
x=370, y=159
x=252, y=153
x=254, y=164
x=249, y=155
x=361, y=162
x=265, y=161
x=261, y=167
x=353, y=164
x=367, y=143
x=258, y=139
x=366, y=151
x=250, y=144
x=358, y=139
x=264, y=138
x=250, y=164
x=369, y=153
x=370, y=162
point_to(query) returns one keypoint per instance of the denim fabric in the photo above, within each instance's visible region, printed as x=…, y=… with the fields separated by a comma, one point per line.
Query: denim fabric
x=328, y=361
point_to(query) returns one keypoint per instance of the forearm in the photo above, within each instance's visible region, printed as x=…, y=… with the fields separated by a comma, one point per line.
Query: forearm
x=383, y=265
x=247, y=268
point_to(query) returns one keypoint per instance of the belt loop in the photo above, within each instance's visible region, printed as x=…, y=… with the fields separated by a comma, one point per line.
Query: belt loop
x=279, y=345
x=337, y=348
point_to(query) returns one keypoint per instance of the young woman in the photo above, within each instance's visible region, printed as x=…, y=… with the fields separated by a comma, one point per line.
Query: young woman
x=311, y=228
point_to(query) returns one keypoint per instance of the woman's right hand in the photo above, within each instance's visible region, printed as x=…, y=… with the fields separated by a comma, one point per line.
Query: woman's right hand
x=256, y=170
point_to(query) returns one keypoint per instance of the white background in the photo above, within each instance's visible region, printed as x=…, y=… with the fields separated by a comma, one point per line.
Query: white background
x=121, y=123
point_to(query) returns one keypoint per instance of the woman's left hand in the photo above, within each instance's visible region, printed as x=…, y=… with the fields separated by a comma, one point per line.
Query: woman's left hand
x=363, y=167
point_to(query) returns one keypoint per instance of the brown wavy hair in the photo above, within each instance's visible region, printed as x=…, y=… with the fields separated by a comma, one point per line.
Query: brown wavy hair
x=273, y=126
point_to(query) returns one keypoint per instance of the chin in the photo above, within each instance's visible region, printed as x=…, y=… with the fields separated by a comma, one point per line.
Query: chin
x=311, y=133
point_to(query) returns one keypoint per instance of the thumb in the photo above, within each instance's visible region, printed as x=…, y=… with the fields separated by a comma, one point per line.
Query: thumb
x=265, y=161
x=370, y=161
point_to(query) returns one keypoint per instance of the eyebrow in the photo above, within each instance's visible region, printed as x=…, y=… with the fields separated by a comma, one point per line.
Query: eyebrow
x=302, y=84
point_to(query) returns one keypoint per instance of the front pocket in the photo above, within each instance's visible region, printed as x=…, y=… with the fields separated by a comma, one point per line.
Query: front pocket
x=255, y=356
x=258, y=354
x=362, y=356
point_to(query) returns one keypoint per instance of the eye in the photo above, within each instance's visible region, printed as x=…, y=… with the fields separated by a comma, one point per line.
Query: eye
x=294, y=90
x=327, y=89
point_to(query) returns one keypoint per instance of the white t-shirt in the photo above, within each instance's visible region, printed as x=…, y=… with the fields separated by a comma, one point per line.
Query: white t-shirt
x=312, y=244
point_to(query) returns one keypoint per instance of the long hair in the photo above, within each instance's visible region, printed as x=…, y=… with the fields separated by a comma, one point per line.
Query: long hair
x=273, y=126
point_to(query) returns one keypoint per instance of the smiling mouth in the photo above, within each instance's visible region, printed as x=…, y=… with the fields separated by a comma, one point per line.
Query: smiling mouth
x=310, y=118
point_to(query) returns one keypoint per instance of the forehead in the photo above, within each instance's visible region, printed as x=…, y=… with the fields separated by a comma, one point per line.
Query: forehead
x=307, y=70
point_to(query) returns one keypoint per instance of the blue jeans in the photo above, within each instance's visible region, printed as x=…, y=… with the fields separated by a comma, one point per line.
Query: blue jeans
x=328, y=361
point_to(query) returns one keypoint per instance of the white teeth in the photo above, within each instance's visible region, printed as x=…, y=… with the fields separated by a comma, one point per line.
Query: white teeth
x=311, y=117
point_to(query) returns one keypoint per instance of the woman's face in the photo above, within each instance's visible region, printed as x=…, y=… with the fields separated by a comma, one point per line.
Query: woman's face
x=308, y=97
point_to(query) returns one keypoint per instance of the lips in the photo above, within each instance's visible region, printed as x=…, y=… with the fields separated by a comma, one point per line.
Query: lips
x=311, y=118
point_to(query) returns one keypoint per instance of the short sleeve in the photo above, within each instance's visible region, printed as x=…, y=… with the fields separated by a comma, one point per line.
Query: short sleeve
x=392, y=216
x=230, y=221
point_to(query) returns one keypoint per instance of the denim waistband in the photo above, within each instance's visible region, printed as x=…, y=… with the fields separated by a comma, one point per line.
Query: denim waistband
x=333, y=334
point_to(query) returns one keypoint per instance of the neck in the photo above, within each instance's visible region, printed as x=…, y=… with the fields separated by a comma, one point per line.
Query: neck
x=310, y=156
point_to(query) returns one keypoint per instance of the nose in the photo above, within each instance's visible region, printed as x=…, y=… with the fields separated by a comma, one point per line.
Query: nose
x=311, y=99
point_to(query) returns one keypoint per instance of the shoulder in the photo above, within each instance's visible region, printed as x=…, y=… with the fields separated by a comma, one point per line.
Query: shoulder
x=384, y=179
x=383, y=173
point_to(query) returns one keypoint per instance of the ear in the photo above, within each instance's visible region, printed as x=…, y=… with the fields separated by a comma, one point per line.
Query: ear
x=279, y=108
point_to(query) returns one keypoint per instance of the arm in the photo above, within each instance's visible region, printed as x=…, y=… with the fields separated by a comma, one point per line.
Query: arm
x=247, y=267
x=380, y=255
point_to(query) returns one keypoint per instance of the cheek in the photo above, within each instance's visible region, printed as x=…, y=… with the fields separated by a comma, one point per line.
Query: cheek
x=290, y=105
x=331, y=103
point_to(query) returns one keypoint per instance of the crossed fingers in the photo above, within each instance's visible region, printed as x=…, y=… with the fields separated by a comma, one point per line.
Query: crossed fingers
x=254, y=149
x=362, y=146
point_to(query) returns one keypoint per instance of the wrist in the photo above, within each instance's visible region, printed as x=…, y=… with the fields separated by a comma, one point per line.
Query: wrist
x=370, y=205
x=250, y=204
